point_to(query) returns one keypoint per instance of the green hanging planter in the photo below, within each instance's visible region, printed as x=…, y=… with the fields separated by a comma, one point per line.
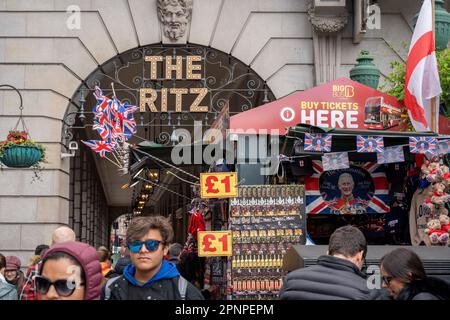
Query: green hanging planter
x=442, y=25
x=21, y=156
x=365, y=71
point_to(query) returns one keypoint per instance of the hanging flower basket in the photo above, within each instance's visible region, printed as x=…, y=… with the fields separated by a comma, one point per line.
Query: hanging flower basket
x=17, y=151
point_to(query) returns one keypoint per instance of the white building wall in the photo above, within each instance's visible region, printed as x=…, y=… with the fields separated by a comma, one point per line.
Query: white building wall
x=47, y=61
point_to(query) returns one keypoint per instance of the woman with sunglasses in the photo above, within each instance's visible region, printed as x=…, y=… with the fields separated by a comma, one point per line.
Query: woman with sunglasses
x=70, y=271
x=403, y=275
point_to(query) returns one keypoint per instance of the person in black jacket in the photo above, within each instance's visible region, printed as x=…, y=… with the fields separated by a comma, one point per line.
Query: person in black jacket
x=149, y=276
x=337, y=276
x=403, y=275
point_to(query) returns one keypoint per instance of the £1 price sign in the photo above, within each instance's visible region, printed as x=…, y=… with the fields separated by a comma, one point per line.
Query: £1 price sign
x=218, y=185
x=214, y=244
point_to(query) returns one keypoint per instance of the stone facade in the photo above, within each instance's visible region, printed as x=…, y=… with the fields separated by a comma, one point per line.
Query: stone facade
x=46, y=60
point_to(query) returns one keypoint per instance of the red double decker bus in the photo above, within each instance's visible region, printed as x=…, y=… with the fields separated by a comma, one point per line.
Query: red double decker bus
x=380, y=115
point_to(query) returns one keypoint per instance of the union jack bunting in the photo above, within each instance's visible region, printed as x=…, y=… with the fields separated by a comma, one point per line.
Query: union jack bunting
x=391, y=155
x=335, y=161
x=444, y=146
x=423, y=145
x=99, y=146
x=317, y=201
x=369, y=144
x=317, y=142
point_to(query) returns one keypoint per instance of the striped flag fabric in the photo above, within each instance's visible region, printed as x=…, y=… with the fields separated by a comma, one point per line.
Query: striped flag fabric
x=335, y=161
x=317, y=142
x=423, y=145
x=422, y=76
x=367, y=144
x=391, y=155
x=444, y=146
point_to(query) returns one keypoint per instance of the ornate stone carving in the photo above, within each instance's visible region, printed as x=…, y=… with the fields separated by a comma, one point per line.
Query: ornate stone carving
x=326, y=23
x=175, y=16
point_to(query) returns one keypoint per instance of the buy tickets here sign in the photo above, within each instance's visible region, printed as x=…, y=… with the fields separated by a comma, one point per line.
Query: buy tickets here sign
x=341, y=103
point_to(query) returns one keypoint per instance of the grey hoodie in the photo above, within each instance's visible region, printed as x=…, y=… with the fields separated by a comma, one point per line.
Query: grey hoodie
x=7, y=291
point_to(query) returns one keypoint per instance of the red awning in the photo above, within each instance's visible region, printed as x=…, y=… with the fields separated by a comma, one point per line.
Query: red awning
x=337, y=104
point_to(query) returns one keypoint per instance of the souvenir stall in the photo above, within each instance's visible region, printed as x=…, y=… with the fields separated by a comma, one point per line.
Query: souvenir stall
x=346, y=143
x=390, y=185
x=266, y=220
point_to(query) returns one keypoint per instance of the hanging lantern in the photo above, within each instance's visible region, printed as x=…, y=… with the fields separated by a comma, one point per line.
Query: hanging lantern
x=365, y=71
x=442, y=25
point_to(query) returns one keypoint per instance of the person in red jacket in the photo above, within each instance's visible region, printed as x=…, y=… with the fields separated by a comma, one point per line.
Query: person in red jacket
x=29, y=288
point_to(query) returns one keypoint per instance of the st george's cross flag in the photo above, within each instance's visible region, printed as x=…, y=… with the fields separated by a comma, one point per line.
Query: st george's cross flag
x=317, y=142
x=335, y=161
x=391, y=155
x=369, y=144
x=423, y=145
x=422, y=76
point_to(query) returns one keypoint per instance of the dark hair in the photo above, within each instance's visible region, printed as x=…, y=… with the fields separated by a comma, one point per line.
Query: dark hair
x=40, y=249
x=175, y=249
x=403, y=264
x=2, y=261
x=103, y=254
x=139, y=227
x=62, y=255
x=348, y=241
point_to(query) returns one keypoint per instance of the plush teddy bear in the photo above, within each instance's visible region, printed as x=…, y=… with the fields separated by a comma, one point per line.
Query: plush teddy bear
x=437, y=236
x=445, y=222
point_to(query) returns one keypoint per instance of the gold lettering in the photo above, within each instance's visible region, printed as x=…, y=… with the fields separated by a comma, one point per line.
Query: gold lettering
x=177, y=67
x=150, y=101
x=153, y=65
x=178, y=92
x=195, y=106
x=191, y=67
x=164, y=100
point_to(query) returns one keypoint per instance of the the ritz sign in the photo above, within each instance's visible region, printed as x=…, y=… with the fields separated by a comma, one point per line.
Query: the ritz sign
x=171, y=99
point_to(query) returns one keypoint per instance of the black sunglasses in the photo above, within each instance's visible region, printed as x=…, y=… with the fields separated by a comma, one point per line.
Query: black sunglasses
x=63, y=287
x=387, y=279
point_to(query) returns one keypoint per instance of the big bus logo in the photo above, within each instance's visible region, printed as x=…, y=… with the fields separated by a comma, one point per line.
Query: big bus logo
x=343, y=91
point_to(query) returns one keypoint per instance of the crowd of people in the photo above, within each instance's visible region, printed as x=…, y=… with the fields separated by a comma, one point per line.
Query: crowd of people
x=149, y=269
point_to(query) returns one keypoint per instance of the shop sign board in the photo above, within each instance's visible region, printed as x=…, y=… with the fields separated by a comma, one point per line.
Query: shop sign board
x=214, y=244
x=342, y=103
x=218, y=185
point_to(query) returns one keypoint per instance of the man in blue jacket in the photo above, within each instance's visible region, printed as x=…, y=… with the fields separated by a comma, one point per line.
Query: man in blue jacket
x=149, y=276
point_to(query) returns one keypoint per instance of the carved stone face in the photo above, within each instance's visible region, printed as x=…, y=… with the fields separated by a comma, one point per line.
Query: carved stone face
x=174, y=16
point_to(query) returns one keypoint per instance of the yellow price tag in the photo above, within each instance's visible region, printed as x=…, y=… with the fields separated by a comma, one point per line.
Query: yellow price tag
x=218, y=185
x=214, y=244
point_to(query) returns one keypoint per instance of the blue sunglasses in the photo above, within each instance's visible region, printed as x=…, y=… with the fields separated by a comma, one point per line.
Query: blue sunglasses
x=151, y=245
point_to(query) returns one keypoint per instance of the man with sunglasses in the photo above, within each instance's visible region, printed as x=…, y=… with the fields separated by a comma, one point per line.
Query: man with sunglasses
x=337, y=276
x=149, y=276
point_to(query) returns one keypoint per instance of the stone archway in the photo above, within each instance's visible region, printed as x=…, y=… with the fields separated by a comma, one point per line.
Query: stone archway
x=229, y=86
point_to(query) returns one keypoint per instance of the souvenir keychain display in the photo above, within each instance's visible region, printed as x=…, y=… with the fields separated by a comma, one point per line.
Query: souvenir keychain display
x=266, y=221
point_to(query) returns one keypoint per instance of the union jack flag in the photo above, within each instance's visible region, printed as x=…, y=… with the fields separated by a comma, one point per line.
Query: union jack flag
x=316, y=202
x=424, y=145
x=335, y=161
x=391, y=155
x=444, y=146
x=113, y=120
x=317, y=142
x=367, y=144
x=100, y=146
